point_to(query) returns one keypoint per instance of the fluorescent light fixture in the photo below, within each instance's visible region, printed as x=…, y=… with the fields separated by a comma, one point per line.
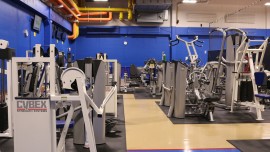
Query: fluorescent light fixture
x=100, y=0
x=267, y=4
x=189, y=1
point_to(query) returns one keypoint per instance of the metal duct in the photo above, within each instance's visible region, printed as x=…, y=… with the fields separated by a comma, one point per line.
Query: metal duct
x=152, y=5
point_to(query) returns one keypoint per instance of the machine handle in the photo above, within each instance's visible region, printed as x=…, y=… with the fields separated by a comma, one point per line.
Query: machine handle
x=172, y=42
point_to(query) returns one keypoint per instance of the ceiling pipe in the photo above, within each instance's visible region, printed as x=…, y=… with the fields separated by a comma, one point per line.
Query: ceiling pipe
x=121, y=16
x=67, y=8
x=127, y=10
x=109, y=18
x=71, y=2
x=94, y=13
x=93, y=9
x=75, y=27
x=76, y=11
x=75, y=33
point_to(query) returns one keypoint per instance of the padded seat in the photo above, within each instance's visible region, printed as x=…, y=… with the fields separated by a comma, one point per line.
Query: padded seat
x=134, y=84
x=211, y=99
x=263, y=96
x=61, y=123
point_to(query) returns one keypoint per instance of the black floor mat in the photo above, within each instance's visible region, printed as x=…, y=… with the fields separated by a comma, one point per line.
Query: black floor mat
x=221, y=116
x=143, y=93
x=261, y=145
x=114, y=142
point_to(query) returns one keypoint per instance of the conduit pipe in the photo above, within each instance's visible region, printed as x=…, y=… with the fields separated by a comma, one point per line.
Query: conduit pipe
x=129, y=11
x=94, y=13
x=75, y=32
x=67, y=8
x=120, y=10
x=76, y=26
x=109, y=18
x=70, y=2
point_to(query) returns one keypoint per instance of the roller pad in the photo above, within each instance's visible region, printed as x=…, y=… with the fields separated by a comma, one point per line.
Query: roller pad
x=7, y=54
x=262, y=96
x=61, y=124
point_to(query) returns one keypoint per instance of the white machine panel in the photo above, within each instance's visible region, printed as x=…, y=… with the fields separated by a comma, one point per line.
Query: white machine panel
x=32, y=125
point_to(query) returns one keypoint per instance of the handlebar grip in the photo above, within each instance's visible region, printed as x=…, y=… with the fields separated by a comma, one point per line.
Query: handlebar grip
x=173, y=40
x=171, y=44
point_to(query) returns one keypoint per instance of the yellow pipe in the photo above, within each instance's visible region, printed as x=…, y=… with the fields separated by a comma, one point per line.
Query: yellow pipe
x=130, y=16
x=91, y=9
x=75, y=32
x=129, y=3
x=94, y=9
x=109, y=18
x=121, y=16
x=120, y=10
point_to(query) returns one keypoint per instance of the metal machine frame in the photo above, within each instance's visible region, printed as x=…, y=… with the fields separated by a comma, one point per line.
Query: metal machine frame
x=111, y=106
x=255, y=66
x=236, y=68
x=9, y=133
x=47, y=137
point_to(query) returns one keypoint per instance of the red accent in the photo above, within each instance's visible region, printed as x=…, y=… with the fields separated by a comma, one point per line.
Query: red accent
x=37, y=108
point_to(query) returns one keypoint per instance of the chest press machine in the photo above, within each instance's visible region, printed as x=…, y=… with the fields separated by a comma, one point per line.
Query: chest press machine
x=34, y=117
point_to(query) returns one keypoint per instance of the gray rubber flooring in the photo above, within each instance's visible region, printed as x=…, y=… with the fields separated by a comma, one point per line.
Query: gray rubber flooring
x=143, y=93
x=221, y=116
x=261, y=145
x=115, y=142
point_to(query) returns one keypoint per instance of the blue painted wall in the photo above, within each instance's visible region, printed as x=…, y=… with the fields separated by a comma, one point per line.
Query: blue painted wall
x=143, y=42
x=17, y=16
x=147, y=42
x=138, y=48
x=14, y=20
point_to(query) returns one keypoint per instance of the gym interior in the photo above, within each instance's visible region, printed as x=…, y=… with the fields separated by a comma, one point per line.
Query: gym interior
x=135, y=76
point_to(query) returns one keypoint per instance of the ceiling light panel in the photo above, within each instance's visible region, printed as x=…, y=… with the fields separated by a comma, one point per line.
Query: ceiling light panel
x=189, y=1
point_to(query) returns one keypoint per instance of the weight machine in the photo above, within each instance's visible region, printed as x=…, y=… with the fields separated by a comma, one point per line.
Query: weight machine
x=150, y=76
x=35, y=118
x=185, y=88
x=243, y=55
x=254, y=66
x=6, y=119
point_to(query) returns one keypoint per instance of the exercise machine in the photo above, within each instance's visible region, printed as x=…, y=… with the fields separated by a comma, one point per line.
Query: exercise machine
x=6, y=125
x=150, y=76
x=96, y=79
x=35, y=118
x=241, y=67
x=186, y=89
